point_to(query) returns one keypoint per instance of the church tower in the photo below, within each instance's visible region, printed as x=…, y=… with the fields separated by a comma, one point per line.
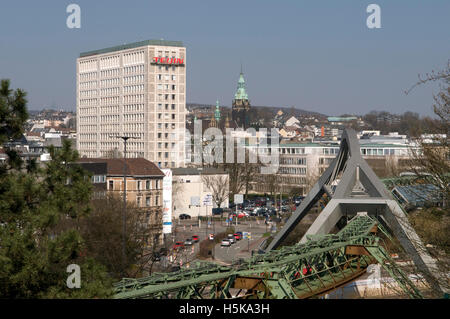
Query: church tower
x=241, y=105
x=215, y=121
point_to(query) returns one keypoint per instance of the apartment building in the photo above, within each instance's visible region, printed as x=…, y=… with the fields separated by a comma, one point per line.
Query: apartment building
x=136, y=90
x=144, y=186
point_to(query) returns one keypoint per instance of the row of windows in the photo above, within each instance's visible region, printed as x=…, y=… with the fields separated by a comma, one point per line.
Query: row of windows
x=88, y=93
x=110, y=73
x=136, y=135
x=330, y=151
x=166, y=126
x=133, y=107
x=87, y=66
x=98, y=179
x=166, y=106
x=110, y=62
x=88, y=85
x=109, y=127
x=167, y=77
x=109, y=118
x=110, y=82
x=293, y=170
x=133, y=127
x=88, y=119
x=167, y=87
x=292, y=151
x=109, y=145
x=166, y=145
x=133, y=146
x=88, y=128
x=133, y=79
x=110, y=109
x=293, y=161
x=87, y=110
x=166, y=136
x=133, y=58
x=110, y=91
x=88, y=76
x=380, y=151
x=166, y=154
x=109, y=100
x=167, y=116
x=147, y=201
x=133, y=117
x=88, y=145
x=133, y=88
x=133, y=69
x=165, y=97
x=138, y=98
x=88, y=136
x=135, y=154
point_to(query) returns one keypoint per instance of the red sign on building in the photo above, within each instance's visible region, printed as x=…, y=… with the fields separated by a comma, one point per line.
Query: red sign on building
x=171, y=61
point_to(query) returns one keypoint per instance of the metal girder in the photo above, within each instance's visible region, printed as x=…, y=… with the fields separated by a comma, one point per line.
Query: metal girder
x=353, y=187
x=300, y=271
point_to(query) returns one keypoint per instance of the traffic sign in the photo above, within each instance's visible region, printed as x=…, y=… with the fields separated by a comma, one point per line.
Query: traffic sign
x=238, y=198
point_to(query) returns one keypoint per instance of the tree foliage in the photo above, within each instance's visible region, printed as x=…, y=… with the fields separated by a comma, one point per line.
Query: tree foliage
x=34, y=201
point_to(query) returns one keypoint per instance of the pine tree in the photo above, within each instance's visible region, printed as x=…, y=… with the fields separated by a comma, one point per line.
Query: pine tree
x=35, y=203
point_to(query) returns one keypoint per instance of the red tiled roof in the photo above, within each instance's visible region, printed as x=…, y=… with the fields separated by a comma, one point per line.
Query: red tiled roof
x=135, y=166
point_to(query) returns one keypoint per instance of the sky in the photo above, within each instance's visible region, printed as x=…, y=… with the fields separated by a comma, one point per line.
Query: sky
x=315, y=55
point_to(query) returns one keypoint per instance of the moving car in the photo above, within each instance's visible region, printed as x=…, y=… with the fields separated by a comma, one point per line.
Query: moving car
x=225, y=243
x=189, y=242
x=195, y=238
x=237, y=236
x=185, y=216
x=231, y=238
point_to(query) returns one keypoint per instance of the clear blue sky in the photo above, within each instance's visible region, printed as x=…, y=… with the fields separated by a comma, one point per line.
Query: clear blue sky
x=311, y=54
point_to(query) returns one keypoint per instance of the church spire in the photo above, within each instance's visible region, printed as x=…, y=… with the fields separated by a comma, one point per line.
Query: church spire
x=217, y=112
x=241, y=93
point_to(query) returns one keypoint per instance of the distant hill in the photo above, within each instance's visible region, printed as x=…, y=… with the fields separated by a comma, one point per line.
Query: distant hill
x=272, y=109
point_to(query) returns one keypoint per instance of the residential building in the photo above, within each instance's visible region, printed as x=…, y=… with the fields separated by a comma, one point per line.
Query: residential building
x=144, y=185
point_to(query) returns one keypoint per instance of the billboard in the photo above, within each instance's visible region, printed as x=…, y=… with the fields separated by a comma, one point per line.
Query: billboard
x=167, y=201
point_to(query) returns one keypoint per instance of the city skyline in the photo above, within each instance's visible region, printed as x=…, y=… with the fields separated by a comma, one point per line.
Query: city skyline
x=316, y=57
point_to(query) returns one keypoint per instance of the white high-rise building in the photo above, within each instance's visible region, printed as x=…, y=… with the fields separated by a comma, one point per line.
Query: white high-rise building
x=137, y=90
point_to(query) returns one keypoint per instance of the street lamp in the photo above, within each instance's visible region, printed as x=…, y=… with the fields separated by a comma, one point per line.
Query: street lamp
x=124, y=214
x=199, y=195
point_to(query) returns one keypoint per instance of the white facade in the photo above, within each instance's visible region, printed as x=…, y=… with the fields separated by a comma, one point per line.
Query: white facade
x=189, y=184
x=125, y=91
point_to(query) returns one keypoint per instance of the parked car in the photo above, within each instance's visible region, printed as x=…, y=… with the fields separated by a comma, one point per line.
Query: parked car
x=231, y=238
x=242, y=214
x=195, y=238
x=217, y=211
x=185, y=216
x=178, y=245
x=188, y=242
x=225, y=243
